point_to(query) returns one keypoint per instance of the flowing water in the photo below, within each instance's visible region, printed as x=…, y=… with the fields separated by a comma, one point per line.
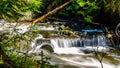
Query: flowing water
x=70, y=52
x=74, y=45
x=6, y=26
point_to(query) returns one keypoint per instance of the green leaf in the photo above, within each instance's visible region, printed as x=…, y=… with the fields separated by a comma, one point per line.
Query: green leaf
x=88, y=19
x=69, y=8
x=76, y=7
x=12, y=10
x=15, y=7
x=9, y=13
x=6, y=6
x=82, y=4
x=95, y=7
x=81, y=12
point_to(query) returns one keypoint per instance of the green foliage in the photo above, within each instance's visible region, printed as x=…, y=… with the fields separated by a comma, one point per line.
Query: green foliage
x=113, y=5
x=25, y=62
x=44, y=62
x=17, y=41
x=33, y=6
x=16, y=46
x=88, y=18
x=84, y=9
x=14, y=9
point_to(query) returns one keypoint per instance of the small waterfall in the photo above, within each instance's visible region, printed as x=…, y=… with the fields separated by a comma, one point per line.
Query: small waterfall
x=73, y=45
x=70, y=52
x=66, y=43
x=76, y=45
x=79, y=42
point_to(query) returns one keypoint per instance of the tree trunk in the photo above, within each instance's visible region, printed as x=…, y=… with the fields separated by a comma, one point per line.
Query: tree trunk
x=52, y=12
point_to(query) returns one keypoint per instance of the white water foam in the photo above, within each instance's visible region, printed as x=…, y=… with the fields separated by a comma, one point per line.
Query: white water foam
x=68, y=51
x=79, y=50
x=78, y=45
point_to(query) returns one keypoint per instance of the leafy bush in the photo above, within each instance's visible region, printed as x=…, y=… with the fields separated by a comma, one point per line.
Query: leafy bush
x=14, y=9
x=83, y=9
x=44, y=62
x=16, y=47
x=24, y=61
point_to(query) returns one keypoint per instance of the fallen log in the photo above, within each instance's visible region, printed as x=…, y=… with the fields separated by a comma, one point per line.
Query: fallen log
x=52, y=12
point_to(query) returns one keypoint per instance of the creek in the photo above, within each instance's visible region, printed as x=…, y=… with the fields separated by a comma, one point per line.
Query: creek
x=75, y=52
x=79, y=52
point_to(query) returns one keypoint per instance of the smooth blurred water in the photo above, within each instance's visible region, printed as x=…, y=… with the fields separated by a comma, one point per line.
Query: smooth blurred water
x=68, y=52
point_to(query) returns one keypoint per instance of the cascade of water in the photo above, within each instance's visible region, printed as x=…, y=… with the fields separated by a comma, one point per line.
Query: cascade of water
x=66, y=43
x=74, y=45
x=79, y=42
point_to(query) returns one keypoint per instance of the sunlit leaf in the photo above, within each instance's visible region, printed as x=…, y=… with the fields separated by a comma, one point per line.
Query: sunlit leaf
x=82, y=4
x=9, y=13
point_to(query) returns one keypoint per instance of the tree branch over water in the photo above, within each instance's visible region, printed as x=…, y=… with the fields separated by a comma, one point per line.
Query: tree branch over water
x=52, y=12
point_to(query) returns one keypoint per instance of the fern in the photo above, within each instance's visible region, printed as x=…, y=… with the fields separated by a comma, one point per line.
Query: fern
x=14, y=9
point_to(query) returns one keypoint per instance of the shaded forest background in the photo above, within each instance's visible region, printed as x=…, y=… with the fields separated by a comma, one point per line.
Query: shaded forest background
x=106, y=11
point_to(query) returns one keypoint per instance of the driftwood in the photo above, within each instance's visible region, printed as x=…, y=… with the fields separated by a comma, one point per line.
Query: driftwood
x=52, y=12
